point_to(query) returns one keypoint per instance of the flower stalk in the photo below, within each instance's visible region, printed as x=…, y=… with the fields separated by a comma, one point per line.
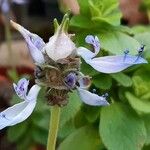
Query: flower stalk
x=53, y=128
x=8, y=38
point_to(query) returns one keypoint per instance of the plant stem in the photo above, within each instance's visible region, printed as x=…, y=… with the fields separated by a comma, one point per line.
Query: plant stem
x=53, y=128
x=8, y=40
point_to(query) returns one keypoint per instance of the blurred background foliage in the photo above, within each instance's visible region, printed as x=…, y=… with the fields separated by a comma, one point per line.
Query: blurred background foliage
x=125, y=124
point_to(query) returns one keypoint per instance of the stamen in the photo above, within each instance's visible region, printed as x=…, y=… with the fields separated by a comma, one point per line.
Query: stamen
x=105, y=95
x=94, y=90
x=140, y=52
x=126, y=52
x=141, y=49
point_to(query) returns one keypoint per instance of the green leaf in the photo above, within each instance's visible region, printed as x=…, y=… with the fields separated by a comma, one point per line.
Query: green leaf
x=66, y=129
x=141, y=106
x=68, y=112
x=39, y=135
x=88, y=70
x=85, y=138
x=16, y=132
x=146, y=119
x=116, y=42
x=41, y=119
x=107, y=11
x=121, y=128
x=80, y=120
x=25, y=143
x=81, y=22
x=122, y=79
x=91, y=113
x=102, y=81
x=144, y=38
x=84, y=7
x=141, y=82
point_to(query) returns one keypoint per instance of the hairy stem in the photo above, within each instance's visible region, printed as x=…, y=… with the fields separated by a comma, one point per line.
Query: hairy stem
x=53, y=129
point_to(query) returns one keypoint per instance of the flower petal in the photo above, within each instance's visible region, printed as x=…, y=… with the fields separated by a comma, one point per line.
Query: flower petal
x=35, y=53
x=85, y=53
x=33, y=93
x=91, y=98
x=70, y=80
x=90, y=39
x=113, y=64
x=21, y=87
x=16, y=114
x=34, y=42
x=84, y=82
x=21, y=111
x=59, y=46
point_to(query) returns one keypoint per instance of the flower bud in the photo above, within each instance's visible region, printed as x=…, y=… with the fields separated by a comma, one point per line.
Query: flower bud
x=60, y=45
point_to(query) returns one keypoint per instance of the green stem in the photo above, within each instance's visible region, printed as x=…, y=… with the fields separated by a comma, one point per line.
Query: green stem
x=53, y=129
x=8, y=39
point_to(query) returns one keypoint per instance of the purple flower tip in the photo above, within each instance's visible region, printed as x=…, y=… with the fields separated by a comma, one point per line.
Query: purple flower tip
x=70, y=80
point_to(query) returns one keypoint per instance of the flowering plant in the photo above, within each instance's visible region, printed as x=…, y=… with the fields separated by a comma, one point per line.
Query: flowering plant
x=58, y=69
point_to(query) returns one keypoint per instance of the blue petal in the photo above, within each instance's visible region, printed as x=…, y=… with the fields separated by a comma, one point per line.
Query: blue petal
x=35, y=52
x=91, y=98
x=34, y=42
x=21, y=88
x=21, y=111
x=113, y=64
x=90, y=39
x=16, y=114
x=86, y=53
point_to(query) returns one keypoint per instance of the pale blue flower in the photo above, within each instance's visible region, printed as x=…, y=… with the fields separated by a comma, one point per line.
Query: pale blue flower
x=21, y=111
x=85, y=96
x=92, y=98
x=108, y=64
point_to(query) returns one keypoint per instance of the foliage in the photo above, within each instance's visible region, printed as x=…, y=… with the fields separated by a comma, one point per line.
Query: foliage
x=122, y=125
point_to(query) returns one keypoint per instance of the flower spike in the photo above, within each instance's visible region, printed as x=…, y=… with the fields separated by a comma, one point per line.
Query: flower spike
x=21, y=111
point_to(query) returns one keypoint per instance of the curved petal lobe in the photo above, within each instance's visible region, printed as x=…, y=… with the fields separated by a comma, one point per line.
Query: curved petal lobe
x=94, y=41
x=91, y=98
x=21, y=87
x=16, y=114
x=113, y=64
x=21, y=111
x=33, y=93
x=85, y=53
x=35, y=53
